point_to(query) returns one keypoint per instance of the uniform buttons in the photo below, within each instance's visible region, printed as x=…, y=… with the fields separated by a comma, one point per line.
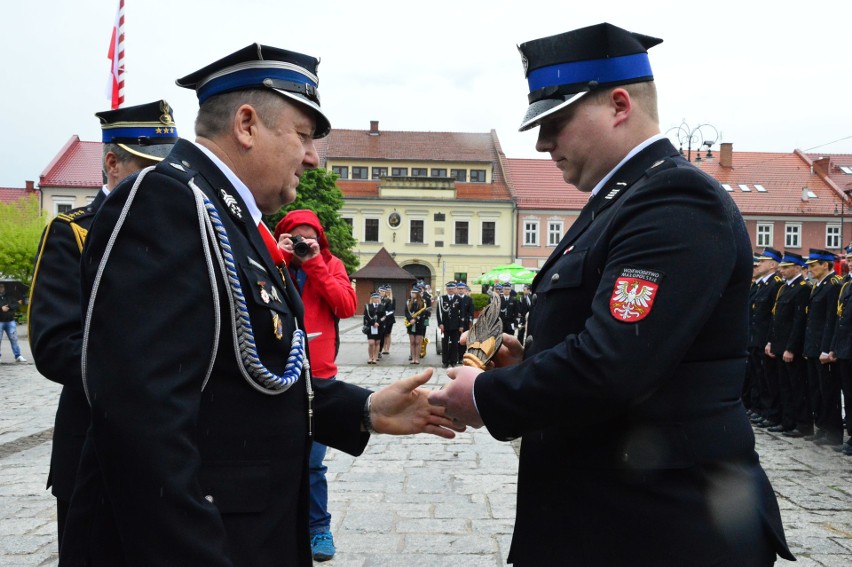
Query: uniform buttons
x=554, y=278
x=185, y=163
x=209, y=498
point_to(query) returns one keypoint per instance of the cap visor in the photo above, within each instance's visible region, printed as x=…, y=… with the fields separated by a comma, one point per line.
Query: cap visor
x=323, y=123
x=155, y=152
x=541, y=109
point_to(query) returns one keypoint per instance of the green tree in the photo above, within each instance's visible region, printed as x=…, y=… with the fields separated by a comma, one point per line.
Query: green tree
x=21, y=225
x=317, y=191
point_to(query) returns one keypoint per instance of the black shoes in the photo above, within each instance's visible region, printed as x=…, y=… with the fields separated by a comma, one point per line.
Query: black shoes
x=796, y=433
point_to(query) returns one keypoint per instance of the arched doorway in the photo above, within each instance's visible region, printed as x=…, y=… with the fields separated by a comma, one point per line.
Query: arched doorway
x=420, y=271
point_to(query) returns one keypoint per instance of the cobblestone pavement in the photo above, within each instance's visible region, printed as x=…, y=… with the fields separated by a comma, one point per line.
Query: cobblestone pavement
x=407, y=501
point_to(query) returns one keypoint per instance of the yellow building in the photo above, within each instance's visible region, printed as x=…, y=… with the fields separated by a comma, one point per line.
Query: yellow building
x=437, y=201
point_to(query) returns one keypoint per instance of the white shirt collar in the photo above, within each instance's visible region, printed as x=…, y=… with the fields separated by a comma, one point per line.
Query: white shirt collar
x=629, y=155
x=241, y=188
x=767, y=277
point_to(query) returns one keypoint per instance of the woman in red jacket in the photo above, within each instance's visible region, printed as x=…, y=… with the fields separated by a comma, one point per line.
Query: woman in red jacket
x=328, y=296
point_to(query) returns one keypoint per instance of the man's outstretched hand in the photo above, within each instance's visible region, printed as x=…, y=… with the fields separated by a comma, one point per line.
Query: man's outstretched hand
x=403, y=408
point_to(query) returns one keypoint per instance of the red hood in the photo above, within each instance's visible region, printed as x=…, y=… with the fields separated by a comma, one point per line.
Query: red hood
x=303, y=216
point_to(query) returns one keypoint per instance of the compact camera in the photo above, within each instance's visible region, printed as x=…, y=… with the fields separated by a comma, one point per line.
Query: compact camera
x=300, y=247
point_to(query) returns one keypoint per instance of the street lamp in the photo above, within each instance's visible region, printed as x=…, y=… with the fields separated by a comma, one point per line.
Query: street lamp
x=698, y=136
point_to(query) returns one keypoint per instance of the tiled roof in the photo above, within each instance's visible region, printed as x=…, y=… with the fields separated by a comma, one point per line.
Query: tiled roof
x=12, y=194
x=412, y=146
x=471, y=191
x=538, y=184
x=78, y=164
x=382, y=266
x=839, y=168
x=782, y=175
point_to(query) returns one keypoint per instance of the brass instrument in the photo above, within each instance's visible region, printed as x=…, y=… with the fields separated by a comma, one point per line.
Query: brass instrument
x=423, y=347
x=415, y=315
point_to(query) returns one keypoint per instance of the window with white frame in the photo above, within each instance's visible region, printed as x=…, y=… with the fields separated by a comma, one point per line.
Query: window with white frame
x=489, y=232
x=462, y=232
x=62, y=205
x=832, y=236
x=764, y=235
x=793, y=235
x=554, y=232
x=415, y=231
x=530, y=233
x=371, y=230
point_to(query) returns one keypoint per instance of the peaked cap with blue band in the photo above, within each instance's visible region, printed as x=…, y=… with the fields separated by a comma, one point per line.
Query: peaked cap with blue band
x=146, y=130
x=560, y=69
x=291, y=74
x=791, y=258
x=770, y=254
x=817, y=255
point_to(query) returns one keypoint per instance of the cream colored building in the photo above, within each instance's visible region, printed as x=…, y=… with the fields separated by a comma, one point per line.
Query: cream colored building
x=437, y=201
x=73, y=178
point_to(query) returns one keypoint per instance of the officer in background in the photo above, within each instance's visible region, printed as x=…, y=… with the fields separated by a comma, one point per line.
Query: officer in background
x=524, y=305
x=133, y=138
x=508, y=309
x=785, y=347
x=194, y=350
x=467, y=314
x=841, y=350
x=763, y=387
x=450, y=324
x=823, y=389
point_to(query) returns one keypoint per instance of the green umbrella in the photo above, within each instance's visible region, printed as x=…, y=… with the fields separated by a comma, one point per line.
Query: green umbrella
x=509, y=273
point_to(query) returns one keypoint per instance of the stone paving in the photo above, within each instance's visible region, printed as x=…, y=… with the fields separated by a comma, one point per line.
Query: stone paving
x=407, y=501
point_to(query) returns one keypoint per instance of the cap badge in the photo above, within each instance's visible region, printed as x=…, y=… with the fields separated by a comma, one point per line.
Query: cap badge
x=166, y=116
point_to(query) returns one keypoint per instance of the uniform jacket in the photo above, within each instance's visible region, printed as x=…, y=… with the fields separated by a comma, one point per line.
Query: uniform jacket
x=762, y=300
x=524, y=305
x=12, y=303
x=450, y=312
x=467, y=311
x=789, y=317
x=390, y=318
x=842, y=338
x=628, y=397
x=375, y=314
x=508, y=314
x=822, y=316
x=188, y=461
x=419, y=325
x=56, y=336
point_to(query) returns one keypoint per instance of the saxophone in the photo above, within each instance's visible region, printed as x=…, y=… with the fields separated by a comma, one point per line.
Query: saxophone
x=414, y=316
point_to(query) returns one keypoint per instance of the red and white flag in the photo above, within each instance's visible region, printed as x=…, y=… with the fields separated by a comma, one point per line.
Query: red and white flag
x=115, y=90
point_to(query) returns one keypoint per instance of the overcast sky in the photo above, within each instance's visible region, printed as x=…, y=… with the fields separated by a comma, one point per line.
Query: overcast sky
x=769, y=76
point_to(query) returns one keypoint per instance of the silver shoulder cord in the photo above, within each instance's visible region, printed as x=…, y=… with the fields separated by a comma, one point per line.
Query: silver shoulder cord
x=250, y=367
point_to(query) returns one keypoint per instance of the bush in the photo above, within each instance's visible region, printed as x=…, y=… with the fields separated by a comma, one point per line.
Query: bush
x=480, y=300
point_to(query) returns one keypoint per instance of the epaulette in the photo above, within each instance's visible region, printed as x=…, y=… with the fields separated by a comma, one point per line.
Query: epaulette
x=778, y=278
x=73, y=214
x=803, y=282
x=178, y=170
x=835, y=279
x=660, y=165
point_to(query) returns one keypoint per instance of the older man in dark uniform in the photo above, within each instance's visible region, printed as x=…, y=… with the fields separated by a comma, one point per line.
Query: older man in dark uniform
x=195, y=360
x=450, y=322
x=764, y=389
x=841, y=350
x=134, y=137
x=636, y=447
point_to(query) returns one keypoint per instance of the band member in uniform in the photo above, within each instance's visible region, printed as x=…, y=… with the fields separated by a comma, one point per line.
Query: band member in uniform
x=134, y=137
x=450, y=324
x=374, y=321
x=195, y=358
x=390, y=306
x=636, y=447
x=823, y=382
x=416, y=315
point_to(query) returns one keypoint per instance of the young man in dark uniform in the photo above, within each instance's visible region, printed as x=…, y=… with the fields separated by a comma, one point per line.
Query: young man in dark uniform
x=508, y=309
x=133, y=138
x=785, y=347
x=524, y=304
x=194, y=352
x=823, y=383
x=636, y=447
x=841, y=350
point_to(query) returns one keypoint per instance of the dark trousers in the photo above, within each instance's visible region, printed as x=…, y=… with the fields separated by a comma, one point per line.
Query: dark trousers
x=792, y=384
x=450, y=346
x=754, y=379
x=844, y=368
x=828, y=416
x=61, y=514
x=772, y=370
